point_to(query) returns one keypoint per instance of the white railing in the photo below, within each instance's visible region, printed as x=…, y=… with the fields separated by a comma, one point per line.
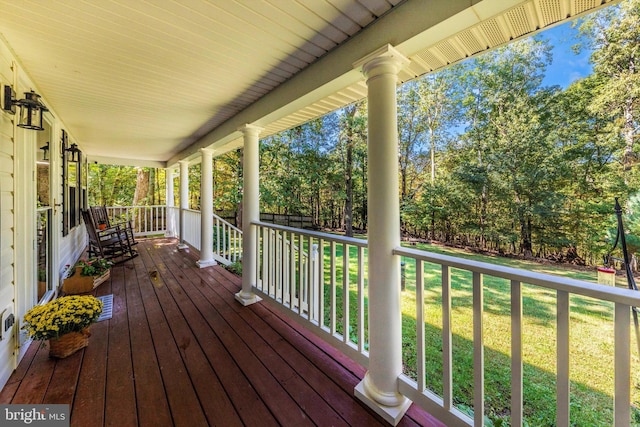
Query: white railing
x=163, y=220
x=315, y=292
x=559, y=287
x=331, y=302
x=145, y=220
x=321, y=278
x=227, y=239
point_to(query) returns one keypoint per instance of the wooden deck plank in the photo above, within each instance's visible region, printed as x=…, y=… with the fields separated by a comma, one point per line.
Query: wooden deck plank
x=299, y=381
x=145, y=363
x=89, y=401
x=213, y=399
x=10, y=388
x=34, y=385
x=64, y=380
x=183, y=401
x=120, y=404
x=281, y=404
x=247, y=402
x=306, y=397
x=180, y=350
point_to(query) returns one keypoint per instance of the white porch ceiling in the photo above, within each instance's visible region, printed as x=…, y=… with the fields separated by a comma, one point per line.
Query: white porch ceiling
x=151, y=81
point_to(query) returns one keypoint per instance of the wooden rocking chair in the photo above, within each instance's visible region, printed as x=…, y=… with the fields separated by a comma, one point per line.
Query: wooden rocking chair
x=110, y=243
x=99, y=216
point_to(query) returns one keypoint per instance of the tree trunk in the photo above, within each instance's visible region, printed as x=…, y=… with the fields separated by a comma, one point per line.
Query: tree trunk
x=142, y=187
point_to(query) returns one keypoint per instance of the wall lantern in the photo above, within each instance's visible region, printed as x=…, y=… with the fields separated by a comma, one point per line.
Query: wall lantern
x=45, y=149
x=31, y=108
x=73, y=151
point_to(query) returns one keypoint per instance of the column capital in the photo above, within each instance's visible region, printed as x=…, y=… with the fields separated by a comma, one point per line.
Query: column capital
x=184, y=161
x=207, y=151
x=249, y=129
x=386, y=60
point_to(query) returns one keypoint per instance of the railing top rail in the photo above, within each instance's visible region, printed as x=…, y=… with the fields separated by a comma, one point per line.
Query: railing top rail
x=317, y=234
x=574, y=286
x=133, y=207
x=227, y=223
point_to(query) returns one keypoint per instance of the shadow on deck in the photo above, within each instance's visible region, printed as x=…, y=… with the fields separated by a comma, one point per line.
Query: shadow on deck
x=180, y=350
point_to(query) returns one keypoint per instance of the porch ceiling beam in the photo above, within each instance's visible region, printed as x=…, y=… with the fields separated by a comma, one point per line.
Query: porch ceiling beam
x=409, y=27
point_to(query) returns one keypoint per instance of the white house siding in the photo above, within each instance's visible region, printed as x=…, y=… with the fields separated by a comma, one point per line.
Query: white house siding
x=7, y=223
x=18, y=257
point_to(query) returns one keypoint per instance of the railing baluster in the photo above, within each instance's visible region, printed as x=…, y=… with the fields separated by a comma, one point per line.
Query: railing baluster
x=562, y=381
x=333, y=299
x=300, y=288
x=308, y=291
x=321, y=283
x=292, y=268
x=478, y=351
x=420, y=324
x=622, y=368
x=345, y=293
x=516, y=353
x=447, y=348
x=286, y=279
x=265, y=261
x=279, y=292
x=361, y=319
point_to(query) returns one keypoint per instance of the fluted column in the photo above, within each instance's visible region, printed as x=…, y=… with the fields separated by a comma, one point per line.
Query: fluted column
x=250, y=212
x=206, y=210
x=184, y=199
x=379, y=388
x=170, y=230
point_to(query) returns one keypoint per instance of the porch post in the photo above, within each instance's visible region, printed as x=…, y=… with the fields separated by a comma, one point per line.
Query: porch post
x=206, y=210
x=170, y=230
x=379, y=388
x=250, y=212
x=184, y=199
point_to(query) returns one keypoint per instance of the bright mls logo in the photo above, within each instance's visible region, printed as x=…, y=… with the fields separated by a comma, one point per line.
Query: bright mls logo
x=34, y=415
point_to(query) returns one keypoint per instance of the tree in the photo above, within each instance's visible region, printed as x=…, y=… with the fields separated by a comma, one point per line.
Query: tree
x=512, y=130
x=614, y=35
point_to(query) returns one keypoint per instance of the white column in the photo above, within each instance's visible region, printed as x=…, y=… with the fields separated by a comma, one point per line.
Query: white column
x=379, y=388
x=206, y=210
x=170, y=230
x=250, y=212
x=184, y=199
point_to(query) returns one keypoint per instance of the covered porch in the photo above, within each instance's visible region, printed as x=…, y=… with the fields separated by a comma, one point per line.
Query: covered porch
x=187, y=343
x=179, y=350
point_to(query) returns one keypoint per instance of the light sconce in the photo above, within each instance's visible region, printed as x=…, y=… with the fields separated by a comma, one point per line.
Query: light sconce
x=73, y=151
x=31, y=108
x=45, y=149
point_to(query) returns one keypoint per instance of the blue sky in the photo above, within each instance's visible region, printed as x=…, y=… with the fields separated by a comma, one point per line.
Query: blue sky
x=566, y=67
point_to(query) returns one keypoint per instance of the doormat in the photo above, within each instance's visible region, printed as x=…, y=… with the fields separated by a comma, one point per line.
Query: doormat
x=107, y=307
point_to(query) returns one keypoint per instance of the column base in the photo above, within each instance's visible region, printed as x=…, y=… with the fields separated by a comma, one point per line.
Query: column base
x=183, y=246
x=206, y=263
x=391, y=414
x=247, y=298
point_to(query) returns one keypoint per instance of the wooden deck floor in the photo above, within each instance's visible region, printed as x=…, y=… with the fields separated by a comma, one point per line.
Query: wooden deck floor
x=181, y=351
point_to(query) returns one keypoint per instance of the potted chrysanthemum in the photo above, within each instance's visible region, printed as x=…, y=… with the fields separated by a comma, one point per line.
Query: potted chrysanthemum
x=64, y=322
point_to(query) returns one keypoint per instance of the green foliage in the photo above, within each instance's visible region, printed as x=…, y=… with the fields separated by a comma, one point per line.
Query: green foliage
x=116, y=185
x=488, y=156
x=235, y=268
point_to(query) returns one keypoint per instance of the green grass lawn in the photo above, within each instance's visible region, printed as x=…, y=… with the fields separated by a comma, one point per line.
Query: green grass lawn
x=591, y=340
